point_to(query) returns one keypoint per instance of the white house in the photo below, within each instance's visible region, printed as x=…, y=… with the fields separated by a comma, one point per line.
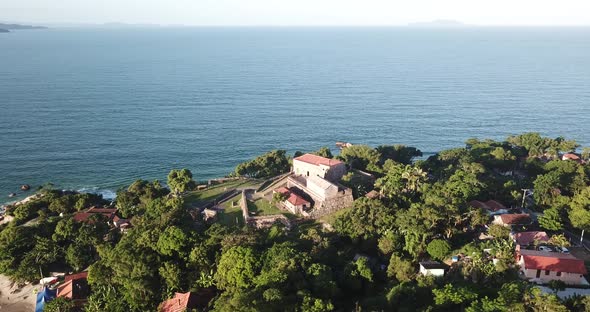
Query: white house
x=312, y=165
x=433, y=268
x=542, y=267
x=293, y=202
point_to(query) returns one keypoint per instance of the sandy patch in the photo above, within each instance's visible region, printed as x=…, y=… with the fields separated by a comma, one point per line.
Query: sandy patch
x=15, y=299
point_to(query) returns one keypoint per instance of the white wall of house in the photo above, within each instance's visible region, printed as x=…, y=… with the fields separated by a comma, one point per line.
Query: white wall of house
x=498, y=220
x=332, y=173
x=545, y=276
x=322, y=187
x=433, y=272
x=292, y=208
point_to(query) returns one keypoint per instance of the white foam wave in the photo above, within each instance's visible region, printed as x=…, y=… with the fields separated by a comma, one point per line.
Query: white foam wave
x=106, y=194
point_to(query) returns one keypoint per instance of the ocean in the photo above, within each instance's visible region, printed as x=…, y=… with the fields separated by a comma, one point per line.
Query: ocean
x=95, y=109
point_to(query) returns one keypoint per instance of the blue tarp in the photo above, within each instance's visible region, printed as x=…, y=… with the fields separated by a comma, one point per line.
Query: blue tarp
x=43, y=297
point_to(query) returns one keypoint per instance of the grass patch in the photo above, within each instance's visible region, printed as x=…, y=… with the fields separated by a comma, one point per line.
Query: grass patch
x=199, y=198
x=232, y=215
x=263, y=207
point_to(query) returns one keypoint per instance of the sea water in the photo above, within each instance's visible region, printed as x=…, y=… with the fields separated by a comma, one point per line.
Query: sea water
x=95, y=109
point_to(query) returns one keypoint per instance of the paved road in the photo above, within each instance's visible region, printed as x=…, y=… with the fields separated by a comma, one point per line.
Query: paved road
x=575, y=239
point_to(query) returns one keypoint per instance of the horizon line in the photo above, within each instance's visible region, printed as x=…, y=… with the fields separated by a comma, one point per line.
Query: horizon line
x=409, y=25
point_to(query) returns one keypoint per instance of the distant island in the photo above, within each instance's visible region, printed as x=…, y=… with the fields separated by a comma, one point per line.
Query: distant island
x=438, y=23
x=8, y=27
x=4, y=30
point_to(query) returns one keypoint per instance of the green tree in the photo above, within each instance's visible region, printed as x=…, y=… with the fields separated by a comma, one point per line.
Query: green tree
x=105, y=299
x=367, y=219
x=316, y=305
x=556, y=285
x=551, y=220
x=279, y=197
x=398, y=153
x=453, y=295
x=172, y=275
x=438, y=249
x=65, y=230
x=400, y=269
x=324, y=152
x=172, y=240
x=417, y=224
x=237, y=268
x=361, y=157
x=268, y=165
x=498, y=231
x=559, y=240
x=401, y=181
x=579, y=213
x=79, y=255
x=60, y=304
x=181, y=180
x=45, y=252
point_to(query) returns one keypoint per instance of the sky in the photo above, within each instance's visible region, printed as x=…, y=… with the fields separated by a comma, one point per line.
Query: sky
x=298, y=12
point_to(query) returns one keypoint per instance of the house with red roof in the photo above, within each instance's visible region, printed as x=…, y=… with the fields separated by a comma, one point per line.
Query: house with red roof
x=295, y=203
x=313, y=165
x=314, y=188
x=529, y=238
x=182, y=302
x=572, y=157
x=543, y=267
x=85, y=216
x=75, y=288
x=512, y=219
x=492, y=207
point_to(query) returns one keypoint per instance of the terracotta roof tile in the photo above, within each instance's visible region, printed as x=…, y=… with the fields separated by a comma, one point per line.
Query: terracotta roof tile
x=492, y=205
x=75, y=287
x=526, y=238
x=283, y=190
x=318, y=160
x=521, y=218
x=571, y=156
x=297, y=200
x=180, y=303
x=537, y=260
x=109, y=213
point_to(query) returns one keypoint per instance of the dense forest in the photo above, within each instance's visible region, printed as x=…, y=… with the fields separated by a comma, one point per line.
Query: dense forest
x=366, y=259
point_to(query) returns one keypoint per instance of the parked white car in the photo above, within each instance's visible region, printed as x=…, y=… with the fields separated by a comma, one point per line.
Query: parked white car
x=545, y=248
x=562, y=250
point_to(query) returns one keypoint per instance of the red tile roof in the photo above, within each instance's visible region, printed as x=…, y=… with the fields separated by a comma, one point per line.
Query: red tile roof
x=318, y=160
x=571, y=156
x=520, y=218
x=283, y=190
x=551, y=261
x=495, y=205
x=492, y=205
x=180, y=303
x=109, y=213
x=81, y=275
x=297, y=200
x=75, y=287
x=101, y=210
x=526, y=238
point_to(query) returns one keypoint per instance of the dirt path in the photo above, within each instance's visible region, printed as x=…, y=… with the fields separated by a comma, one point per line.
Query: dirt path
x=16, y=299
